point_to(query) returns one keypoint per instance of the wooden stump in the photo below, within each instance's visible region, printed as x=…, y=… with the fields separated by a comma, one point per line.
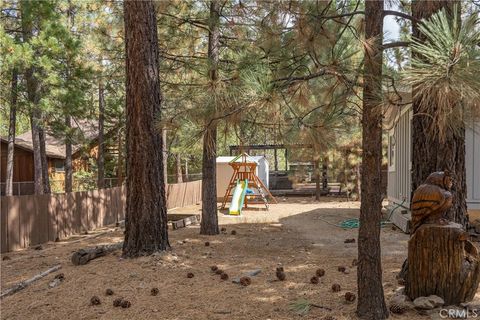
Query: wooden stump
x=442, y=262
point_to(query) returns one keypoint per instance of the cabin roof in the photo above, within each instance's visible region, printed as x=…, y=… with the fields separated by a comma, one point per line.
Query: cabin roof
x=55, y=146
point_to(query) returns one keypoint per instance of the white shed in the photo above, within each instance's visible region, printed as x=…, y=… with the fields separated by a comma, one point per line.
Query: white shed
x=225, y=172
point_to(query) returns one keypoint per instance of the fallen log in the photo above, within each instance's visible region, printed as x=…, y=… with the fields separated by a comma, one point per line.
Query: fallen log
x=23, y=284
x=83, y=256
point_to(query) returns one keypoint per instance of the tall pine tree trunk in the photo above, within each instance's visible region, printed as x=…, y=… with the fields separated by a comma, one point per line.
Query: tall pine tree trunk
x=68, y=120
x=68, y=156
x=371, y=301
x=43, y=157
x=209, y=223
x=429, y=152
x=186, y=170
x=11, y=134
x=120, y=159
x=33, y=97
x=165, y=158
x=178, y=166
x=101, y=142
x=32, y=88
x=146, y=212
x=325, y=173
x=317, y=179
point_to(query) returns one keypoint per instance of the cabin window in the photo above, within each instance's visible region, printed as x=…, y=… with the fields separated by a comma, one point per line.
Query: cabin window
x=391, y=151
x=59, y=166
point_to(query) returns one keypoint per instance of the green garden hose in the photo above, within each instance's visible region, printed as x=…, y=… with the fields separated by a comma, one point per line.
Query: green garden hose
x=355, y=223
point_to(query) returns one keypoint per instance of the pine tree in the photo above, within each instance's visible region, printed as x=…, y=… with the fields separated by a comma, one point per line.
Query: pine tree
x=146, y=212
x=371, y=301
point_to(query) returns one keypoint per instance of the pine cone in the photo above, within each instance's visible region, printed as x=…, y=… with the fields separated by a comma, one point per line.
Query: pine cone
x=117, y=302
x=245, y=281
x=336, y=287
x=95, y=301
x=320, y=273
x=396, y=309
x=224, y=276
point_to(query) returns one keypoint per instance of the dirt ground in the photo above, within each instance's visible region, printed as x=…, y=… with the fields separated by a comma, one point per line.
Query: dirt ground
x=298, y=234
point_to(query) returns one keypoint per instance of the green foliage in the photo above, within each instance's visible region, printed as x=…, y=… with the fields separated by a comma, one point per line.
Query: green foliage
x=444, y=69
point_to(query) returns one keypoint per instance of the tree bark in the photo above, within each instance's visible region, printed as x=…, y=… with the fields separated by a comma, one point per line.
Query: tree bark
x=120, y=159
x=68, y=122
x=33, y=97
x=11, y=134
x=34, y=119
x=43, y=157
x=317, y=179
x=429, y=153
x=101, y=142
x=146, y=212
x=325, y=173
x=165, y=157
x=68, y=156
x=178, y=167
x=371, y=301
x=209, y=223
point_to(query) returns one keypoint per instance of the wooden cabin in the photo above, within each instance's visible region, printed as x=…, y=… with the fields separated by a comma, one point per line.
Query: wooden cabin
x=398, y=126
x=23, y=173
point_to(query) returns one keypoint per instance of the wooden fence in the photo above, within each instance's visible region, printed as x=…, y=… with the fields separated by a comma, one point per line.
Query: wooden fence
x=35, y=219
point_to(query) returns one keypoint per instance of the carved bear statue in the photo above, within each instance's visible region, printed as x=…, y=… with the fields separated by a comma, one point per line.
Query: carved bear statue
x=432, y=199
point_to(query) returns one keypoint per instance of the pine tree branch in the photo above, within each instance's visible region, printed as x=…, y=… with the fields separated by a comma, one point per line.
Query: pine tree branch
x=399, y=14
x=395, y=44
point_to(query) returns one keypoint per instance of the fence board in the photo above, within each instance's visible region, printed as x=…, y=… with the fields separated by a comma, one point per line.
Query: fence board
x=116, y=204
x=27, y=214
x=53, y=228
x=110, y=206
x=81, y=211
x=13, y=223
x=35, y=219
x=123, y=201
x=3, y=224
x=39, y=224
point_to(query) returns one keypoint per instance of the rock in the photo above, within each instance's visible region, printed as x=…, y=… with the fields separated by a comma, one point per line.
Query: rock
x=54, y=283
x=399, y=290
x=428, y=303
x=165, y=257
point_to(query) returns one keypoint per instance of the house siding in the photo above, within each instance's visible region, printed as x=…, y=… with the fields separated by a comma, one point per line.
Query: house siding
x=399, y=175
x=472, y=161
